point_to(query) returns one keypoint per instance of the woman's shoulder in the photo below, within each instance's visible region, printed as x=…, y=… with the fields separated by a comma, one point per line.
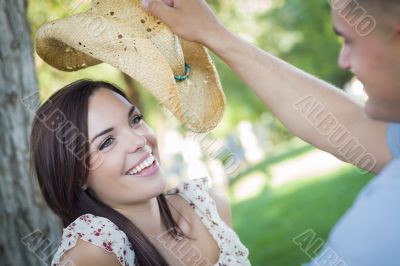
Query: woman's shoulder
x=85, y=253
x=223, y=205
x=199, y=195
x=213, y=209
x=97, y=232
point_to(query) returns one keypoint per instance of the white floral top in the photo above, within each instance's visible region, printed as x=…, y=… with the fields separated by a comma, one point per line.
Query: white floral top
x=103, y=233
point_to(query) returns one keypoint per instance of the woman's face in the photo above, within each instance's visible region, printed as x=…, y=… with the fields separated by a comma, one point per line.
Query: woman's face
x=126, y=141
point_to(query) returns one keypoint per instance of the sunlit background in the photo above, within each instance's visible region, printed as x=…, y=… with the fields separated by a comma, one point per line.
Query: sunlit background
x=278, y=185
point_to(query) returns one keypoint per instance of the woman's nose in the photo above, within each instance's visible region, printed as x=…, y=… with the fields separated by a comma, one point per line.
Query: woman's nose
x=136, y=141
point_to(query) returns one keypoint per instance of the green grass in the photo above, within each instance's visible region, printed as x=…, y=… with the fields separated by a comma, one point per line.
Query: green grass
x=268, y=222
x=287, y=151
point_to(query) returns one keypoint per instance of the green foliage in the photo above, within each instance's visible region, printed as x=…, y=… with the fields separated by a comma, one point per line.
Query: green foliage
x=40, y=12
x=297, y=31
x=243, y=102
x=301, y=33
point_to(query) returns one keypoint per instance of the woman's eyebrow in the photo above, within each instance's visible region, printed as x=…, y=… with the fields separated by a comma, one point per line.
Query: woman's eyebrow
x=131, y=110
x=102, y=133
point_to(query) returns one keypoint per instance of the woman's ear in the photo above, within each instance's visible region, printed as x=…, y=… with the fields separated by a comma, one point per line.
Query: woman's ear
x=84, y=187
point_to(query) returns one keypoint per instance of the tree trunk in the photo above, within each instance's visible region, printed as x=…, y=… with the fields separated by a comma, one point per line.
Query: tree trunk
x=29, y=232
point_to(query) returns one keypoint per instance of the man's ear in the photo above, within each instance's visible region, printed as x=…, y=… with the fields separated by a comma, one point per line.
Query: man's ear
x=397, y=28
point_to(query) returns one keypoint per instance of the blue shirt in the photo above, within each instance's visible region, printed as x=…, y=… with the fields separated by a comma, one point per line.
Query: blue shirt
x=369, y=233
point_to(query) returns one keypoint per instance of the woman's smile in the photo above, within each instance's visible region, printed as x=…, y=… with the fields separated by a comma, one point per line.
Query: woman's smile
x=145, y=167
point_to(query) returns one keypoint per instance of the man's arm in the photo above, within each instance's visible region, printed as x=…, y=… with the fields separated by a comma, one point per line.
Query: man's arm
x=310, y=108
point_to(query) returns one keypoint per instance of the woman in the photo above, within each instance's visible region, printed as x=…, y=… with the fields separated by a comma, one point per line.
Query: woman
x=98, y=166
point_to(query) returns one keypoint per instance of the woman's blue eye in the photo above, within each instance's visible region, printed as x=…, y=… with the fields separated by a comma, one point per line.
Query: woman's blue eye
x=106, y=143
x=137, y=119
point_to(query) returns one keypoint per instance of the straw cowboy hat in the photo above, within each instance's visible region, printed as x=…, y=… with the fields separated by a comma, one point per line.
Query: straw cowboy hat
x=178, y=73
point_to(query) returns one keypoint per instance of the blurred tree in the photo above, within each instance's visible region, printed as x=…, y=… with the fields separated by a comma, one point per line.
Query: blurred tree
x=27, y=227
x=301, y=33
x=297, y=31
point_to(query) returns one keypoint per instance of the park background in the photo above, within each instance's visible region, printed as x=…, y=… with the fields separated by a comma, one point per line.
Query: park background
x=279, y=186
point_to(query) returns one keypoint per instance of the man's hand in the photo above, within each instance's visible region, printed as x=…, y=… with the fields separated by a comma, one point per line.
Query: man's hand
x=192, y=20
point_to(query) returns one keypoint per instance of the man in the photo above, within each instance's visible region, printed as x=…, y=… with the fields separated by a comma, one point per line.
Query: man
x=366, y=136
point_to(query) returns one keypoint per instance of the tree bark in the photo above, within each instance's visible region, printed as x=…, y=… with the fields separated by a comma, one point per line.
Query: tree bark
x=29, y=232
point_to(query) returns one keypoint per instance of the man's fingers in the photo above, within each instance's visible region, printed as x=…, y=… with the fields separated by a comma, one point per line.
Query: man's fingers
x=160, y=9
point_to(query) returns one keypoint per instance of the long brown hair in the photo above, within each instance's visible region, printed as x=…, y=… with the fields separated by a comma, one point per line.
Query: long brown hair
x=60, y=158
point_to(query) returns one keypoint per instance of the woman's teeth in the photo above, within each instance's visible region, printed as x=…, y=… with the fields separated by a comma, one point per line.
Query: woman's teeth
x=149, y=161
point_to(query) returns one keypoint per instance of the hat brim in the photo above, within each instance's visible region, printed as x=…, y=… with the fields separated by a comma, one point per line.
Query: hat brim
x=68, y=45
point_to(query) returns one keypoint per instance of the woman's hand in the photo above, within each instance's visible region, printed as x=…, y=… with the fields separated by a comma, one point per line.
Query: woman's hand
x=192, y=20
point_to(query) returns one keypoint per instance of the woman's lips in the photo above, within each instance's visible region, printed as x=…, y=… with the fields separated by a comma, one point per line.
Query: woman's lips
x=144, y=158
x=148, y=171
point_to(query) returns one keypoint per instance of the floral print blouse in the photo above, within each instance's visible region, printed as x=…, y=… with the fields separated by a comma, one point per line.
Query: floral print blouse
x=103, y=233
